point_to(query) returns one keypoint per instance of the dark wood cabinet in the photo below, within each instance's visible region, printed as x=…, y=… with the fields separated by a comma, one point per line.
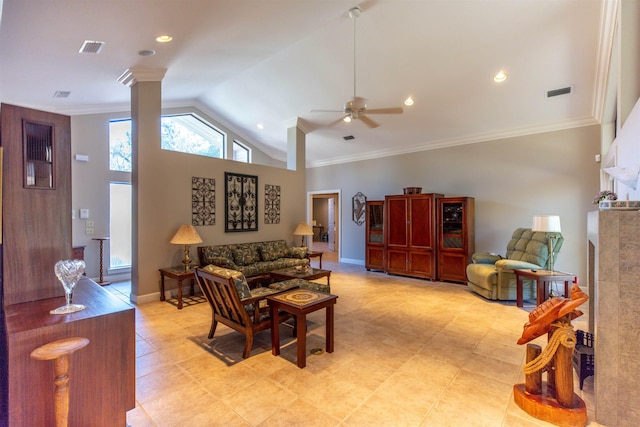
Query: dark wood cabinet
x=374, y=246
x=410, y=234
x=36, y=231
x=456, y=237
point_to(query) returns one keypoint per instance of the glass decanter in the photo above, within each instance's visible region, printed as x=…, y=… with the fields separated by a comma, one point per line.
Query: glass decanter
x=69, y=273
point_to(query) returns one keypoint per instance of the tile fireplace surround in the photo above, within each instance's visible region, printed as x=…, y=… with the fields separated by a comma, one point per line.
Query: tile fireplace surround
x=614, y=277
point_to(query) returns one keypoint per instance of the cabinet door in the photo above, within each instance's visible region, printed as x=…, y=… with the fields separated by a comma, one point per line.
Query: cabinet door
x=396, y=261
x=422, y=264
x=397, y=222
x=421, y=222
x=452, y=266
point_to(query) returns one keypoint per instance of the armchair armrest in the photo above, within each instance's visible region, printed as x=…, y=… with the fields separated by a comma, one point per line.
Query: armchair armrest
x=485, y=258
x=508, y=265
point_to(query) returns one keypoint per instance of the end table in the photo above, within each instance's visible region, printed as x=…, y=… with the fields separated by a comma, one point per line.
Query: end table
x=180, y=274
x=542, y=278
x=315, y=254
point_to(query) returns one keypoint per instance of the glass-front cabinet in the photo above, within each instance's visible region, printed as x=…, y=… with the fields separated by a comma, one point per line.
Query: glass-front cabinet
x=456, y=237
x=374, y=257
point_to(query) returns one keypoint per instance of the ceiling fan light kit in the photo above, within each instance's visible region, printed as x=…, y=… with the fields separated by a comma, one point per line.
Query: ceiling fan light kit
x=356, y=108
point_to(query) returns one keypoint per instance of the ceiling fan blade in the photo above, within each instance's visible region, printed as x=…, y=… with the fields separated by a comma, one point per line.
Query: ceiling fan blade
x=327, y=111
x=335, y=122
x=397, y=110
x=367, y=121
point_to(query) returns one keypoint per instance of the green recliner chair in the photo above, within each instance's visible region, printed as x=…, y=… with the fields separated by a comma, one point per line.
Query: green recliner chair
x=492, y=276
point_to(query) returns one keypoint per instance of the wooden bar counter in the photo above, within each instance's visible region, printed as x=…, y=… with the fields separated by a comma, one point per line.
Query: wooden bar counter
x=102, y=375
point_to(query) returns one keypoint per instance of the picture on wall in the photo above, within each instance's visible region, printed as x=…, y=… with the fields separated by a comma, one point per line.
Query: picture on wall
x=241, y=202
x=271, y=204
x=358, y=204
x=203, y=201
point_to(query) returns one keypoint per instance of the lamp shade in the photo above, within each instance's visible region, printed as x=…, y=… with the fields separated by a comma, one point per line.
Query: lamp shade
x=186, y=235
x=546, y=223
x=303, y=229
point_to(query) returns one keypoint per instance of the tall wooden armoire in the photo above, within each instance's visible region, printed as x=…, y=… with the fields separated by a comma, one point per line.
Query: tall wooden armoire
x=410, y=234
x=36, y=233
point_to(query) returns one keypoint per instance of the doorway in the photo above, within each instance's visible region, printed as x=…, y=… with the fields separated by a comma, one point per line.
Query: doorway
x=323, y=213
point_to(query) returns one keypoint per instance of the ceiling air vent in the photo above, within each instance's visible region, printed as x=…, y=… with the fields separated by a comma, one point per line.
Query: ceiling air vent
x=558, y=92
x=61, y=94
x=90, y=46
x=348, y=137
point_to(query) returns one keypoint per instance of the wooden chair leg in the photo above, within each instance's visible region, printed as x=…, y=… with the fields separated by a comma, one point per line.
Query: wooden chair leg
x=214, y=324
x=59, y=351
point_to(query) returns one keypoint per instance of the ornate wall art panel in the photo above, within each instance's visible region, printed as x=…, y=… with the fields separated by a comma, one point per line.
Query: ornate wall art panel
x=358, y=204
x=271, y=204
x=241, y=202
x=203, y=201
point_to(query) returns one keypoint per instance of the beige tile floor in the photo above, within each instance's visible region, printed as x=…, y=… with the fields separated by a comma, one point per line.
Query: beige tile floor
x=408, y=352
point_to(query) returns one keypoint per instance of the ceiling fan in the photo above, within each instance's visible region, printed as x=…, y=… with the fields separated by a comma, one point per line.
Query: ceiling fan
x=356, y=108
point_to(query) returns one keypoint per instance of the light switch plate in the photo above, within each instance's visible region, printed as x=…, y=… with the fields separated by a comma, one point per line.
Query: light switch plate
x=84, y=213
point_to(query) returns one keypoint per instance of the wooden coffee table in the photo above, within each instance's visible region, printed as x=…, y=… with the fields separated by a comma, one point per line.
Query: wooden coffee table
x=295, y=273
x=300, y=302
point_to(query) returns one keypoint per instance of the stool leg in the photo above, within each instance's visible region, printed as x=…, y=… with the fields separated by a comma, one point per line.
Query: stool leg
x=59, y=351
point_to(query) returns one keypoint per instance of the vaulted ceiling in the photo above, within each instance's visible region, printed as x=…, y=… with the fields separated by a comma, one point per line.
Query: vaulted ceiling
x=246, y=62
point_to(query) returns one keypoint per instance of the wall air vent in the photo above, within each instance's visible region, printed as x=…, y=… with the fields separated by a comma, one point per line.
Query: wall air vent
x=90, y=46
x=348, y=137
x=558, y=92
x=61, y=94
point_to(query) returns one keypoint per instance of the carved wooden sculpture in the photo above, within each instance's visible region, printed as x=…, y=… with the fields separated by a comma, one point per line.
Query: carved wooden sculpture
x=554, y=401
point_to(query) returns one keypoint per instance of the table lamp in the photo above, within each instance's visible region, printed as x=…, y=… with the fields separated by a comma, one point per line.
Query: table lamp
x=186, y=235
x=548, y=224
x=303, y=229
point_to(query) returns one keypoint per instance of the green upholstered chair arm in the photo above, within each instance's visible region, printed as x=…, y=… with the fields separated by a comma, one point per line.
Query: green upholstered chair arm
x=485, y=258
x=508, y=265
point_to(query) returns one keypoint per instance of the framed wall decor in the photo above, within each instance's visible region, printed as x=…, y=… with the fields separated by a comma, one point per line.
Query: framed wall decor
x=203, y=201
x=271, y=204
x=358, y=204
x=241, y=202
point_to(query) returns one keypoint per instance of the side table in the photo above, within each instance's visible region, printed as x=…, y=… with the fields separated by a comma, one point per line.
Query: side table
x=179, y=274
x=300, y=302
x=542, y=278
x=315, y=254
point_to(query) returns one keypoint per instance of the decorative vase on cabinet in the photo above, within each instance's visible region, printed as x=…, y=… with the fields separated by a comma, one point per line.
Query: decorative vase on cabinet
x=456, y=237
x=374, y=244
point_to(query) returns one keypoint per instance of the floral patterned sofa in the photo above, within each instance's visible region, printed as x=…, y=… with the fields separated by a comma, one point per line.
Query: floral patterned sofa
x=254, y=259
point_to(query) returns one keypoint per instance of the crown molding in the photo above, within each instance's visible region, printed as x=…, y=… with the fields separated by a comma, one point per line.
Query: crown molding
x=134, y=75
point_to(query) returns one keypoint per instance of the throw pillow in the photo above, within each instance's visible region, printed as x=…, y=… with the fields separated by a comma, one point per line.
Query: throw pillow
x=298, y=252
x=222, y=262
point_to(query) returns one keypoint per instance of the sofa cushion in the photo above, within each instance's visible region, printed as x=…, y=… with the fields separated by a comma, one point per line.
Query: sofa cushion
x=206, y=254
x=223, y=262
x=246, y=254
x=270, y=251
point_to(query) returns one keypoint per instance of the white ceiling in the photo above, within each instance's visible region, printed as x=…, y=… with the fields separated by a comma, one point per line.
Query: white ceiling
x=272, y=62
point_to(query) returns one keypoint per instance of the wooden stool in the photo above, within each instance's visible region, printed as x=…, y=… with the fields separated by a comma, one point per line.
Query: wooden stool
x=59, y=352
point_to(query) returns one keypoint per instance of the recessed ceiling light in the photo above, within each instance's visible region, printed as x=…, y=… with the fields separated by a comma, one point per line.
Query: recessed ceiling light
x=148, y=52
x=500, y=77
x=260, y=126
x=164, y=38
x=347, y=119
x=409, y=101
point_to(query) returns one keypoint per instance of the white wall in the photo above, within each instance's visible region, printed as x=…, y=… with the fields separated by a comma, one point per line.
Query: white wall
x=511, y=179
x=172, y=196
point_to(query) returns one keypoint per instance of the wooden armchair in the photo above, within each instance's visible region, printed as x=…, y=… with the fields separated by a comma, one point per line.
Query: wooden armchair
x=234, y=304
